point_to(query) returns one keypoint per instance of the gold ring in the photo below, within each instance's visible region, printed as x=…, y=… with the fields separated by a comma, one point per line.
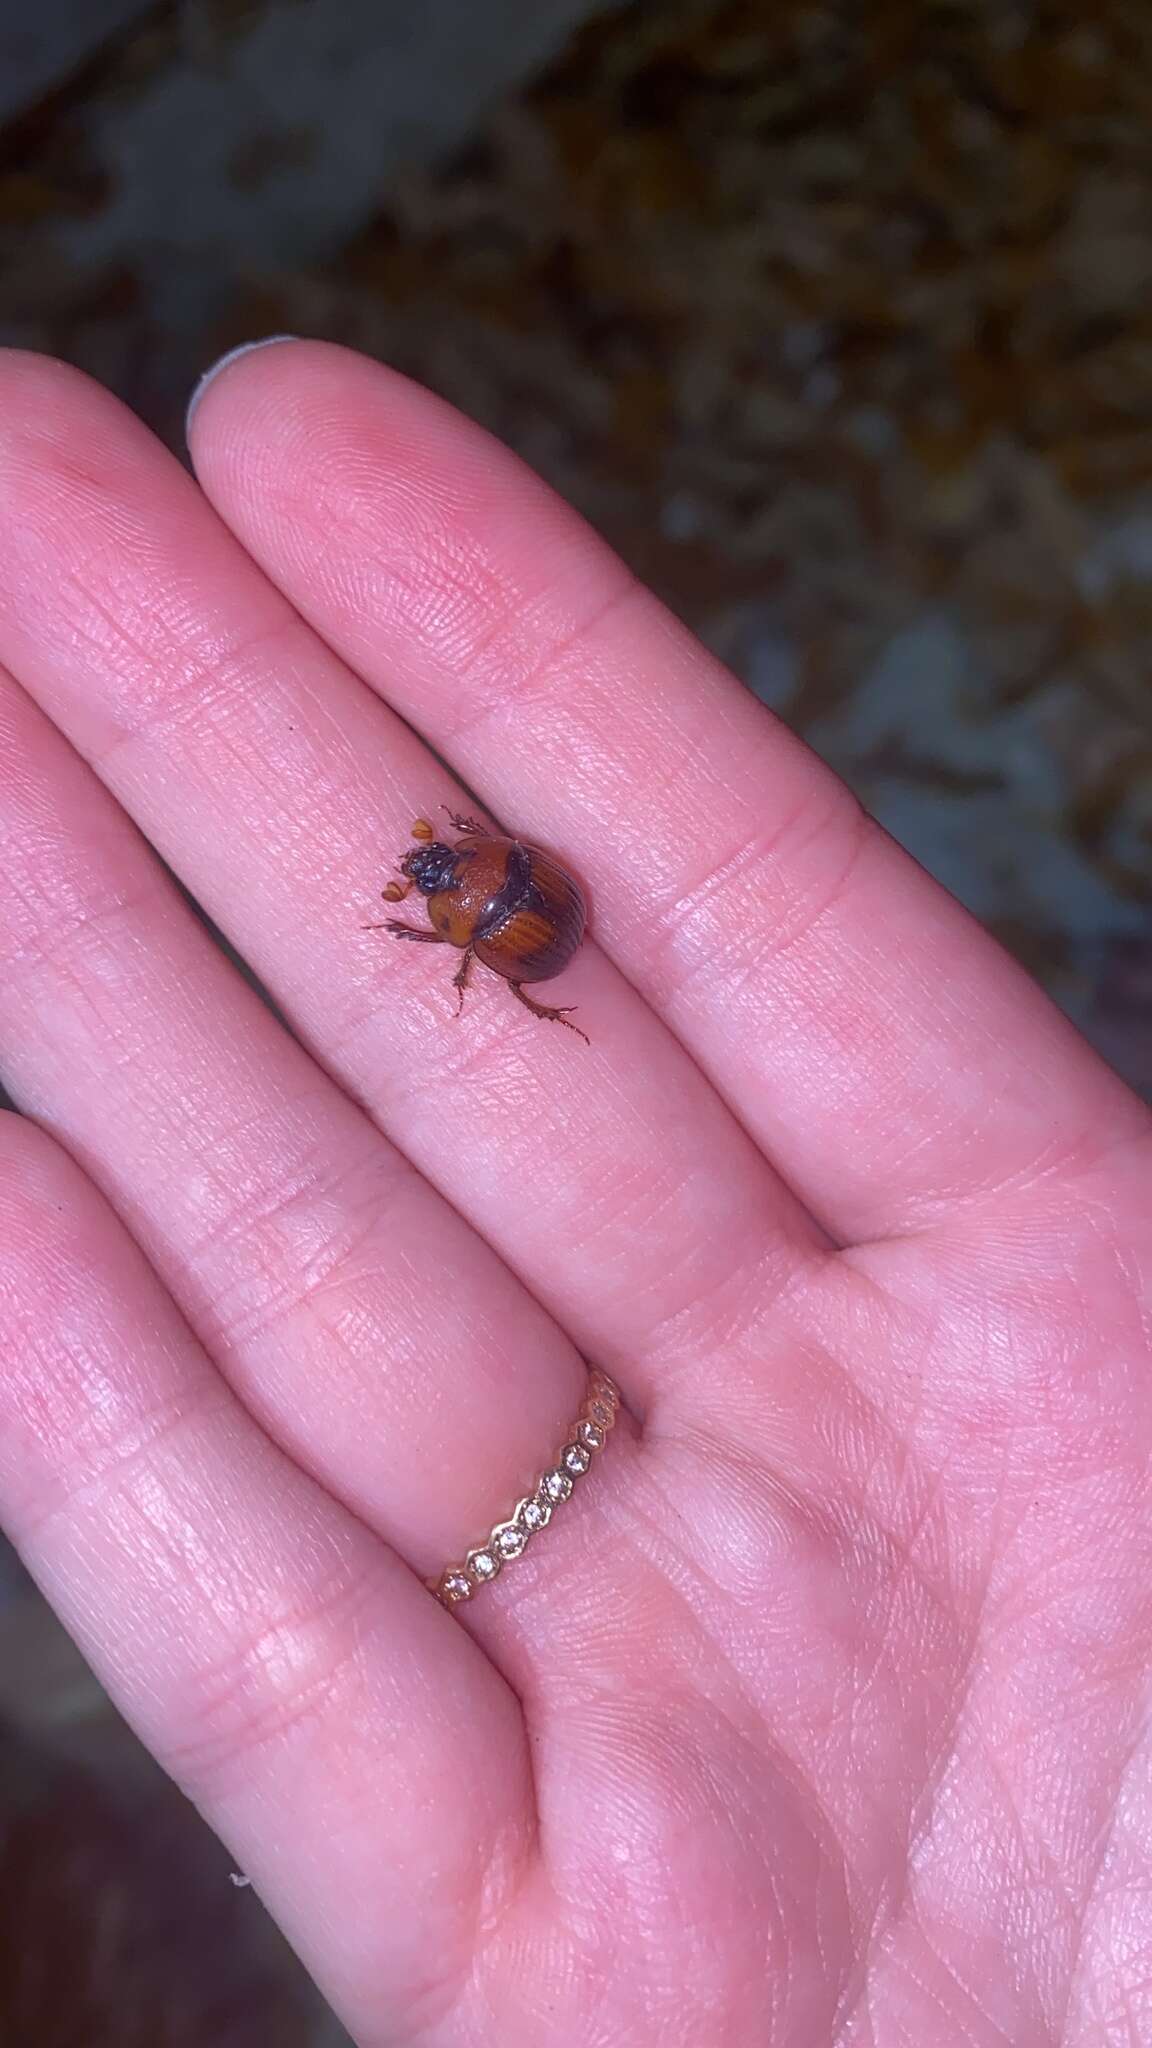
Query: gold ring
x=510, y=1538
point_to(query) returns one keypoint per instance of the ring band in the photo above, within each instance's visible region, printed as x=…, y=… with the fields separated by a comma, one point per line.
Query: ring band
x=510, y=1538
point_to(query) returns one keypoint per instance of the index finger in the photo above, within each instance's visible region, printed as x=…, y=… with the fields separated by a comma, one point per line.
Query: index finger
x=884, y=1051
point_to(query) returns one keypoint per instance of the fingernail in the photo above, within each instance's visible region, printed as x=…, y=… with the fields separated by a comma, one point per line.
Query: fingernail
x=245, y=349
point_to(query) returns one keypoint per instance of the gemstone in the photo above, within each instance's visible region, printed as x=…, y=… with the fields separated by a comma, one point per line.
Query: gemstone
x=483, y=1565
x=590, y=1433
x=455, y=1586
x=575, y=1459
x=556, y=1485
x=534, y=1513
x=509, y=1541
x=601, y=1412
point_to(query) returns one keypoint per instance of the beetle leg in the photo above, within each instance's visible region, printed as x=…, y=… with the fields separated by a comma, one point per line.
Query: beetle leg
x=469, y=826
x=543, y=1010
x=407, y=931
x=460, y=978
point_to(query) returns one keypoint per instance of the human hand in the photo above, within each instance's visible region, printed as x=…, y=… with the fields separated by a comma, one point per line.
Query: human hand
x=821, y=1714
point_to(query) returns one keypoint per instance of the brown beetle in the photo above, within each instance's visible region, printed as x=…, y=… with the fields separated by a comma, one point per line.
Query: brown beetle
x=507, y=904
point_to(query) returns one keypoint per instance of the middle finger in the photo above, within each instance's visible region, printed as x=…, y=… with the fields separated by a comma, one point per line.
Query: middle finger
x=614, y=1180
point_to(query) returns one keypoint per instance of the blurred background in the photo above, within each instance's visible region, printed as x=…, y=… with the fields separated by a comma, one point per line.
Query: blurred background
x=837, y=321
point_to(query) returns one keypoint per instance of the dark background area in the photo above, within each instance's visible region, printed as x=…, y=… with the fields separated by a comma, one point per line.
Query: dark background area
x=837, y=321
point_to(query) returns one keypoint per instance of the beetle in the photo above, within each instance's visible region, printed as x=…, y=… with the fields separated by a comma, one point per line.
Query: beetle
x=503, y=901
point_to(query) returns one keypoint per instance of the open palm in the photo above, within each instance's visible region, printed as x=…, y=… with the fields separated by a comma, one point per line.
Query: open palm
x=822, y=1713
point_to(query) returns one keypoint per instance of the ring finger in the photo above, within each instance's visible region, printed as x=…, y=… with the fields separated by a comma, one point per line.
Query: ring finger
x=363, y=1321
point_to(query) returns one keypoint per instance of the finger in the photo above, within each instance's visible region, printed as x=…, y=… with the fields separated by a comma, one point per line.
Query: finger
x=613, y=1180
x=306, y=1253
x=881, y=1048
x=291, y=1675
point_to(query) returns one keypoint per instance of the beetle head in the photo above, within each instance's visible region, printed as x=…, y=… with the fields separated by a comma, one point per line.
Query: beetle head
x=432, y=866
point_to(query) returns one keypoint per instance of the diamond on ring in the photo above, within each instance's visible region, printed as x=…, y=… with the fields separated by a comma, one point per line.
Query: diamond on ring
x=533, y=1514
x=483, y=1565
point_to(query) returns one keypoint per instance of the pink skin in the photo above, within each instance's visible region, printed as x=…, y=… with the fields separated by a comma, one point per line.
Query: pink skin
x=822, y=1715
